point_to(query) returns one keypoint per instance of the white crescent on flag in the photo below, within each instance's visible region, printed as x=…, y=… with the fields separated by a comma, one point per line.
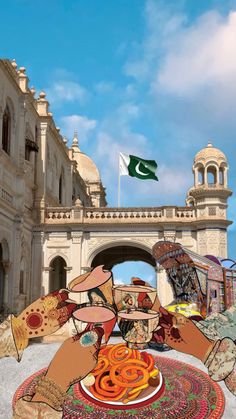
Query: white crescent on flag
x=139, y=171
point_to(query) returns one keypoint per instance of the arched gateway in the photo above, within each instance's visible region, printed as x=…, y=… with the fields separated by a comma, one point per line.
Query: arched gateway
x=117, y=254
x=88, y=236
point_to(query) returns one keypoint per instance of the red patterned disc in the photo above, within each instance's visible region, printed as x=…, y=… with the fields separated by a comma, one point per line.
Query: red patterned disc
x=34, y=320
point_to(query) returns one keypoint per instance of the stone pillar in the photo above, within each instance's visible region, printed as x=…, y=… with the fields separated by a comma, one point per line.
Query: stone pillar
x=15, y=271
x=225, y=174
x=76, y=244
x=41, y=180
x=164, y=289
x=46, y=279
x=37, y=257
x=205, y=181
x=217, y=176
x=195, y=177
x=68, y=270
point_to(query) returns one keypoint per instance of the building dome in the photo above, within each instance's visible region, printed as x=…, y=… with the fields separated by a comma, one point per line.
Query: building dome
x=210, y=153
x=86, y=167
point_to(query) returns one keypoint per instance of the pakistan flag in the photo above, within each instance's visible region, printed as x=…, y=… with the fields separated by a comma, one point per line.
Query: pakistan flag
x=137, y=167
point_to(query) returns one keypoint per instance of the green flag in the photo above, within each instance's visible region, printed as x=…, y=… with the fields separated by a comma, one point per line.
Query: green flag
x=137, y=167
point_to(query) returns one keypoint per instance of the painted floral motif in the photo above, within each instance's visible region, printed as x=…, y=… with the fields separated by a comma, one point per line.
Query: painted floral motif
x=50, y=303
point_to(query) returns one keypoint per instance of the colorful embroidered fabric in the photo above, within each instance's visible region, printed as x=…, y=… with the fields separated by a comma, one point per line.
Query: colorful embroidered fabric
x=189, y=393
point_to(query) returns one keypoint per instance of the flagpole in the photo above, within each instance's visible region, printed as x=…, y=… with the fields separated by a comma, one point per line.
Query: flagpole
x=119, y=181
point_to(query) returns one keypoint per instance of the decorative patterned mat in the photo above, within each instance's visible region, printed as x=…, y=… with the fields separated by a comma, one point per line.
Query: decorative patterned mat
x=189, y=393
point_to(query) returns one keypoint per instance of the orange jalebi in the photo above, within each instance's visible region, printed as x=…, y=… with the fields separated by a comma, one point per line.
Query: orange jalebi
x=120, y=370
x=129, y=378
x=119, y=353
x=101, y=366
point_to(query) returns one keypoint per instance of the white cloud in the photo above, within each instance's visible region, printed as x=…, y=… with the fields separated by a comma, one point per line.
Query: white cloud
x=202, y=55
x=119, y=281
x=161, y=23
x=173, y=180
x=66, y=91
x=81, y=124
x=128, y=111
x=186, y=58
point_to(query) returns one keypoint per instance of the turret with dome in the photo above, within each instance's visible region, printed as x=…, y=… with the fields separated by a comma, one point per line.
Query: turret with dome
x=210, y=167
x=210, y=192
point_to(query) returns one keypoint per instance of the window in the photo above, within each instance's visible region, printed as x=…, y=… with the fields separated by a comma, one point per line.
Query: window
x=29, y=147
x=27, y=152
x=211, y=175
x=60, y=189
x=22, y=276
x=200, y=177
x=221, y=176
x=6, y=130
x=21, y=284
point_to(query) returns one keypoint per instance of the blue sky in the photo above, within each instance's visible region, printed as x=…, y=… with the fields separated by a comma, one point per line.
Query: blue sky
x=151, y=78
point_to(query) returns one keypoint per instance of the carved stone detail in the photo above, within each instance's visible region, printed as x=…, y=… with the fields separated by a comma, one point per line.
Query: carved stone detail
x=170, y=236
x=76, y=237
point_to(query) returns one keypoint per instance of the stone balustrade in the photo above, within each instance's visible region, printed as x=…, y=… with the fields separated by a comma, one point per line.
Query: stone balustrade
x=118, y=215
x=57, y=214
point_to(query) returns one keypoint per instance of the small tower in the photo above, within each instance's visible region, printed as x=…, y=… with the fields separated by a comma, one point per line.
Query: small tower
x=209, y=196
x=75, y=142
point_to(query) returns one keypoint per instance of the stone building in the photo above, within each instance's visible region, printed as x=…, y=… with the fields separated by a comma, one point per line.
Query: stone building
x=37, y=170
x=55, y=223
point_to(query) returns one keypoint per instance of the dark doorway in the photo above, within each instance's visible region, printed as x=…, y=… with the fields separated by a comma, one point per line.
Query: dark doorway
x=57, y=276
x=119, y=254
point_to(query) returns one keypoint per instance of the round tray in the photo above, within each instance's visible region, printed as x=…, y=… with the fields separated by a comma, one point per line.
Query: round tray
x=148, y=395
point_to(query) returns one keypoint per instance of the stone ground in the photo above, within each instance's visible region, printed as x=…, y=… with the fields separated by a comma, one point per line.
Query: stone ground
x=38, y=356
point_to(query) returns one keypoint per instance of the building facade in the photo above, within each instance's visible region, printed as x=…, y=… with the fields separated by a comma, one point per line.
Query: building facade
x=55, y=223
x=37, y=170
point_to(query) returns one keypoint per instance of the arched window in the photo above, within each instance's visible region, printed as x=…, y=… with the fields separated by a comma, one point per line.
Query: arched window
x=211, y=175
x=22, y=277
x=57, y=276
x=6, y=130
x=73, y=194
x=60, y=189
x=221, y=176
x=191, y=203
x=27, y=150
x=29, y=147
x=200, y=176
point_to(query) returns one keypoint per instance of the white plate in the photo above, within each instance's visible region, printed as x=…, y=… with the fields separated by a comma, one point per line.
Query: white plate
x=155, y=391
